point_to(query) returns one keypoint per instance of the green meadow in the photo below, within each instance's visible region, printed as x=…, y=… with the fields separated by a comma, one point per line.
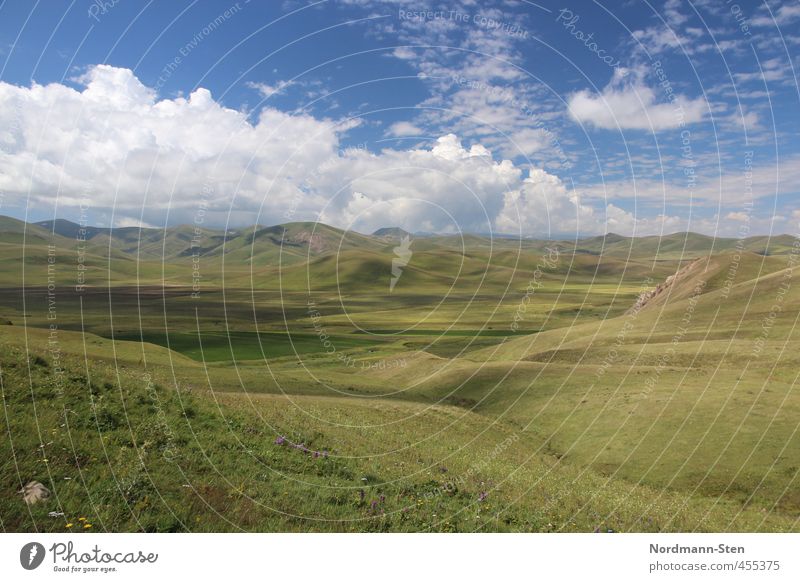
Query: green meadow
x=273, y=380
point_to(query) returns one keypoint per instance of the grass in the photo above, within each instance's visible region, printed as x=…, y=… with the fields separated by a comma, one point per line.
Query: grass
x=429, y=413
x=120, y=453
x=221, y=346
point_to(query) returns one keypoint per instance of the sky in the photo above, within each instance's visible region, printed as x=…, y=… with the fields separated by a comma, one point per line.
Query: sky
x=543, y=120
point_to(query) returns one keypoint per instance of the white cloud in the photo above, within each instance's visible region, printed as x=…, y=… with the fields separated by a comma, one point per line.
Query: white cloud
x=445, y=188
x=115, y=143
x=734, y=186
x=544, y=205
x=775, y=69
x=630, y=104
x=671, y=34
x=151, y=160
x=403, y=129
x=748, y=121
x=658, y=39
x=268, y=91
x=784, y=15
x=126, y=221
x=738, y=216
x=404, y=53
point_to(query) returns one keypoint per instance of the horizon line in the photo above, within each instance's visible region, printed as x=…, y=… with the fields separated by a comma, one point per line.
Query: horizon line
x=255, y=227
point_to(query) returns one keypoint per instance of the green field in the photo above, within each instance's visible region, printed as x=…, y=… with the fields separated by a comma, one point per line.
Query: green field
x=219, y=346
x=490, y=390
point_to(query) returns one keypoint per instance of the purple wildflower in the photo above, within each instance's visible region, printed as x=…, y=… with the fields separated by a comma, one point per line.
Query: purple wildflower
x=483, y=496
x=280, y=440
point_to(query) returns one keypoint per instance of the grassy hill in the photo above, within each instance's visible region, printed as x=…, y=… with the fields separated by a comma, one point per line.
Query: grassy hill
x=120, y=452
x=646, y=384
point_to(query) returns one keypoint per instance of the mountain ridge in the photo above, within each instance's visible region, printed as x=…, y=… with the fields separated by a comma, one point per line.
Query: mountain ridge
x=315, y=238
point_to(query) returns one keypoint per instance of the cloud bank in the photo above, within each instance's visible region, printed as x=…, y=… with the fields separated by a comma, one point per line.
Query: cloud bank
x=112, y=142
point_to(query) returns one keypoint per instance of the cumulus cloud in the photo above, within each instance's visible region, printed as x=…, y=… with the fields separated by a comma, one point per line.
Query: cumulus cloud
x=627, y=103
x=444, y=188
x=114, y=142
x=544, y=205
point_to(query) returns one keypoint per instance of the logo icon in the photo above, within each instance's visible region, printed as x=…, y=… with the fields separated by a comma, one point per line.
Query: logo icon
x=31, y=555
x=403, y=255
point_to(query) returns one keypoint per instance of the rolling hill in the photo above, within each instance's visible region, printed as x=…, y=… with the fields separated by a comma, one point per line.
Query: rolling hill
x=649, y=377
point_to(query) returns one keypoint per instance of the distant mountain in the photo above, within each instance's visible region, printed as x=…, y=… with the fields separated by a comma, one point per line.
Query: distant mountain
x=681, y=245
x=301, y=241
x=392, y=232
x=291, y=240
x=70, y=229
x=16, y=231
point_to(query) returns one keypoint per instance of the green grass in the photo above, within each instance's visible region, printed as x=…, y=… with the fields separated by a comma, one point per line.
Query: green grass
x=241, y=345
x=123, y=454
x=704, y=440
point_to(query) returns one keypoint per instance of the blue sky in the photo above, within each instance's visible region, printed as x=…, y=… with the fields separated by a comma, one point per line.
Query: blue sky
x=543, y=119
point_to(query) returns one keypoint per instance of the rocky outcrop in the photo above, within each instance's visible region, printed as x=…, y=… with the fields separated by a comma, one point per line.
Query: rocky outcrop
x=648, y=296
